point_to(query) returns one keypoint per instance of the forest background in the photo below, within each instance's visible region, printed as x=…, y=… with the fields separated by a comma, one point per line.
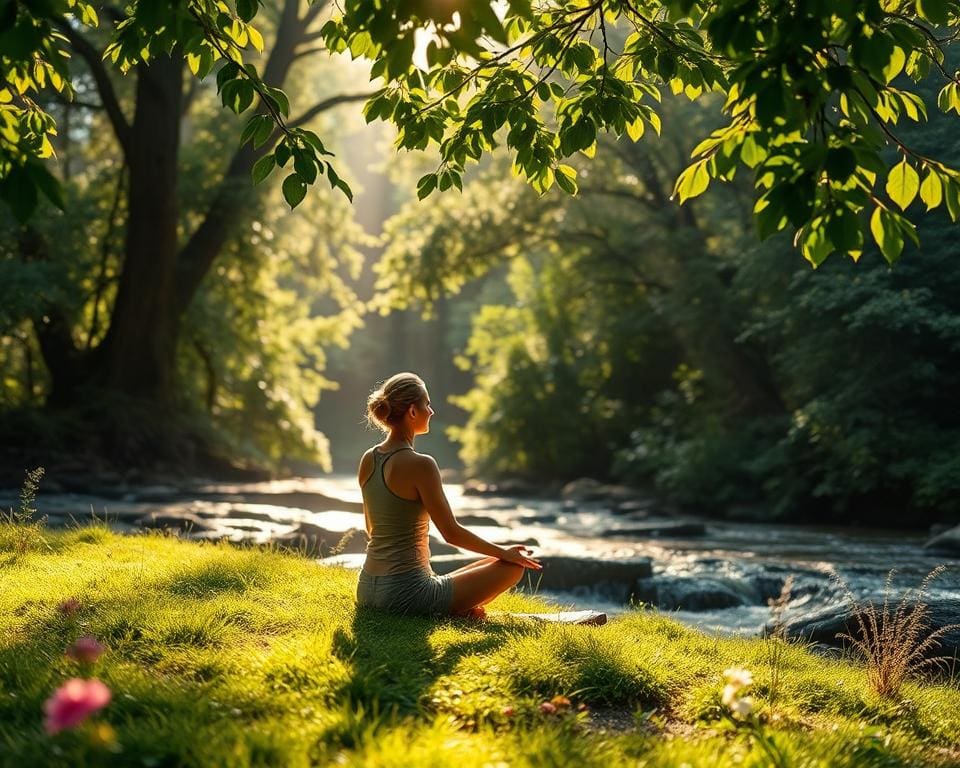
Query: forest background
x=613, y=334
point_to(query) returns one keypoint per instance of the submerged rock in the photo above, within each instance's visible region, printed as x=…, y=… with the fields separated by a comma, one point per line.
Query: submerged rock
x=675, y=593
x=655, y=529
x=615, y=578
x=315, y=541
x=946, y=543
x=824, y=624
x=476, y=520
x=438, y=547
x=508, y=487
x=182, y=521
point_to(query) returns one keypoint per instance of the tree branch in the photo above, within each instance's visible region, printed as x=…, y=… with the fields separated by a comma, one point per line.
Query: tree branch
x=307, y=52
x=323, y=106
x=312, y=12
x=83, y=47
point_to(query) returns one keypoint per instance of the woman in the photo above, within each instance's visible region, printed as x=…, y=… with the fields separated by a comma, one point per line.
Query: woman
x=402, y=493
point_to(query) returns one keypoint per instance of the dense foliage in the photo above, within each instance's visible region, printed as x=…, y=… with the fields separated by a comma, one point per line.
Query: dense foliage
x=664, y=346
x=113, y=340
x=811, y=87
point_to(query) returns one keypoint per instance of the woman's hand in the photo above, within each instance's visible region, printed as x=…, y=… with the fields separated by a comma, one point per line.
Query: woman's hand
x=519, y=554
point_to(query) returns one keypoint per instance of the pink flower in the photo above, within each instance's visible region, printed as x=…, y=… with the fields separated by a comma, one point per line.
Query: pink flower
x=69, y=606
x=548, y=709
x=86, y=650
x=508, y=712
x=73, y=702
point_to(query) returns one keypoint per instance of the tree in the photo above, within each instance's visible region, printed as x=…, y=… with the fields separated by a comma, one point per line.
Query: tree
x=814, y=91
x=127, y=352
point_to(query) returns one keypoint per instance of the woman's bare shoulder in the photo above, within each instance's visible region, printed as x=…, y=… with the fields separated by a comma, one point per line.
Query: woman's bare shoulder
x=366, y=465
x=424, y=462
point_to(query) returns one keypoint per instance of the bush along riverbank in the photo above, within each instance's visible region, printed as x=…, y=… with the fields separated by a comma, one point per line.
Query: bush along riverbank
x=149, y=650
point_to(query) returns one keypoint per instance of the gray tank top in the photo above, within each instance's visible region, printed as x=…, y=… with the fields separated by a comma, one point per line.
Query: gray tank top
x=398, y=542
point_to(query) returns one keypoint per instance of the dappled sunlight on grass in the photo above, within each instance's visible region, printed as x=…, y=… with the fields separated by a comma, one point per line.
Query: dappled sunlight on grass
x=227, y=656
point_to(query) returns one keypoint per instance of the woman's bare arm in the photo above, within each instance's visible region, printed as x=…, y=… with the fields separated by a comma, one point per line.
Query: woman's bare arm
x=430, y=488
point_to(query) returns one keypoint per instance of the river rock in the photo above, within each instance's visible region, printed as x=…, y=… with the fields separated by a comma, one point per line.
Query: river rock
x=439, y=547
x=507, y=487
x=635, y=508
x=822, y=625
x=615, y=577
x=476, y=520
x=249, y=514
x=312, y=502
x=182, y=521
x=946, y=543
x=693, y=594
x=545, y=517
x=659, y=529
x=315, y=541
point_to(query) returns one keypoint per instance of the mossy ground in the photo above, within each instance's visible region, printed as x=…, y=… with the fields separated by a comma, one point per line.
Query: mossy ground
x=231, y=657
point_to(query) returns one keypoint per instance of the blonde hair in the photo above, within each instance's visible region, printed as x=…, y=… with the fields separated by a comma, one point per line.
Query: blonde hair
x=388, y=402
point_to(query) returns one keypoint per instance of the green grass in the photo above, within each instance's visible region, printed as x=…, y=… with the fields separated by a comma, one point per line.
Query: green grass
x=237, y=657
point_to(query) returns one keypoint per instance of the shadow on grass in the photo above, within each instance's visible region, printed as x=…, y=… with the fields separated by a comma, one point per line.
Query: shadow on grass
x=393, y=662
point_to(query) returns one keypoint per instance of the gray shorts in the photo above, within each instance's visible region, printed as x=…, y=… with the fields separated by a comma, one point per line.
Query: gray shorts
x=417, y=591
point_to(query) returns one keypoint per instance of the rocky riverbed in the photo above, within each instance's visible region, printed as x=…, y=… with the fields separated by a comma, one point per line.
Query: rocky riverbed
x=604, y=547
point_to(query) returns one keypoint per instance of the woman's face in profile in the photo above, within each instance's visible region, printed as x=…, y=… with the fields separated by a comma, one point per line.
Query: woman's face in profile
x=424, y=413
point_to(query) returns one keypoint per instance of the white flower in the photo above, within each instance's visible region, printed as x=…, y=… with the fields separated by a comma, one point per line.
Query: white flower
x=738, y=677
x=742, y=707
x=729, y=695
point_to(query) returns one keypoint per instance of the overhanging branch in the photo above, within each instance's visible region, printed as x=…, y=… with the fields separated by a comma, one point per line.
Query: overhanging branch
x=86, y=50
x=323, y=106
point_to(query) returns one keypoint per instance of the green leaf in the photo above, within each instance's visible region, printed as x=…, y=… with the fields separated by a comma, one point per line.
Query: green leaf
x=692, y=182
x=895, y=66
x=886, y=234
x=903, y=183
x=47, y=183
x=841, y=163
x=280, y=100
x=305, y=166
x=934, y=11
x=426, y=185
x=338, y=183
x=261, y=169
x=566, y=178
x=931, y=191
x=227, y=72
x=294, y=190
x=20, y=193
x=246, y=9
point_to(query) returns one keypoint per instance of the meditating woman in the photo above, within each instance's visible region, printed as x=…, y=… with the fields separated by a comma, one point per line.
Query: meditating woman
x=402, y=493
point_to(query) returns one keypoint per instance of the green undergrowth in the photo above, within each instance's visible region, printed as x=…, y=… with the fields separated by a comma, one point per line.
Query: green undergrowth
x=235, y=657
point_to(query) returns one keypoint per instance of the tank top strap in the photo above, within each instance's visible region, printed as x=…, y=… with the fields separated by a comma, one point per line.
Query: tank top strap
x=381, y=458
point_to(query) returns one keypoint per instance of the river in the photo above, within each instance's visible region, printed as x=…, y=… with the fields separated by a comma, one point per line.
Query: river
x=715, y=575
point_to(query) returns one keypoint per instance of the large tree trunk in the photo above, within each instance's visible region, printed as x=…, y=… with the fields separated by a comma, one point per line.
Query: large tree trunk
x=137, y=356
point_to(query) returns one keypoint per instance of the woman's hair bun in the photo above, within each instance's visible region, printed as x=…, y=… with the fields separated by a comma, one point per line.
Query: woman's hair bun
x=389, y=401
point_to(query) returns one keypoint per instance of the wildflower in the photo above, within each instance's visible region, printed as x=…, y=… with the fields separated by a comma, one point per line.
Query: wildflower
x=560, y=702
x=86, y=650
x=507, y=712
x=548, y=708
x=738, y=677
x=73, y=702
x=69, y=606
x=741, y=707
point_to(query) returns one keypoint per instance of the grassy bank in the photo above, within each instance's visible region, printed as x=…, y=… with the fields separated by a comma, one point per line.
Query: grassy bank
x=227, y=657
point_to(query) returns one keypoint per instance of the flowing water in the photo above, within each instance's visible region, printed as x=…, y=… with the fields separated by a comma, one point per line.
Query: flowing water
x=719, y=579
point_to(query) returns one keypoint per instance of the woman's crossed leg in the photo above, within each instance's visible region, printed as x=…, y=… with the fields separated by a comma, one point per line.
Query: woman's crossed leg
x=476, y=584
